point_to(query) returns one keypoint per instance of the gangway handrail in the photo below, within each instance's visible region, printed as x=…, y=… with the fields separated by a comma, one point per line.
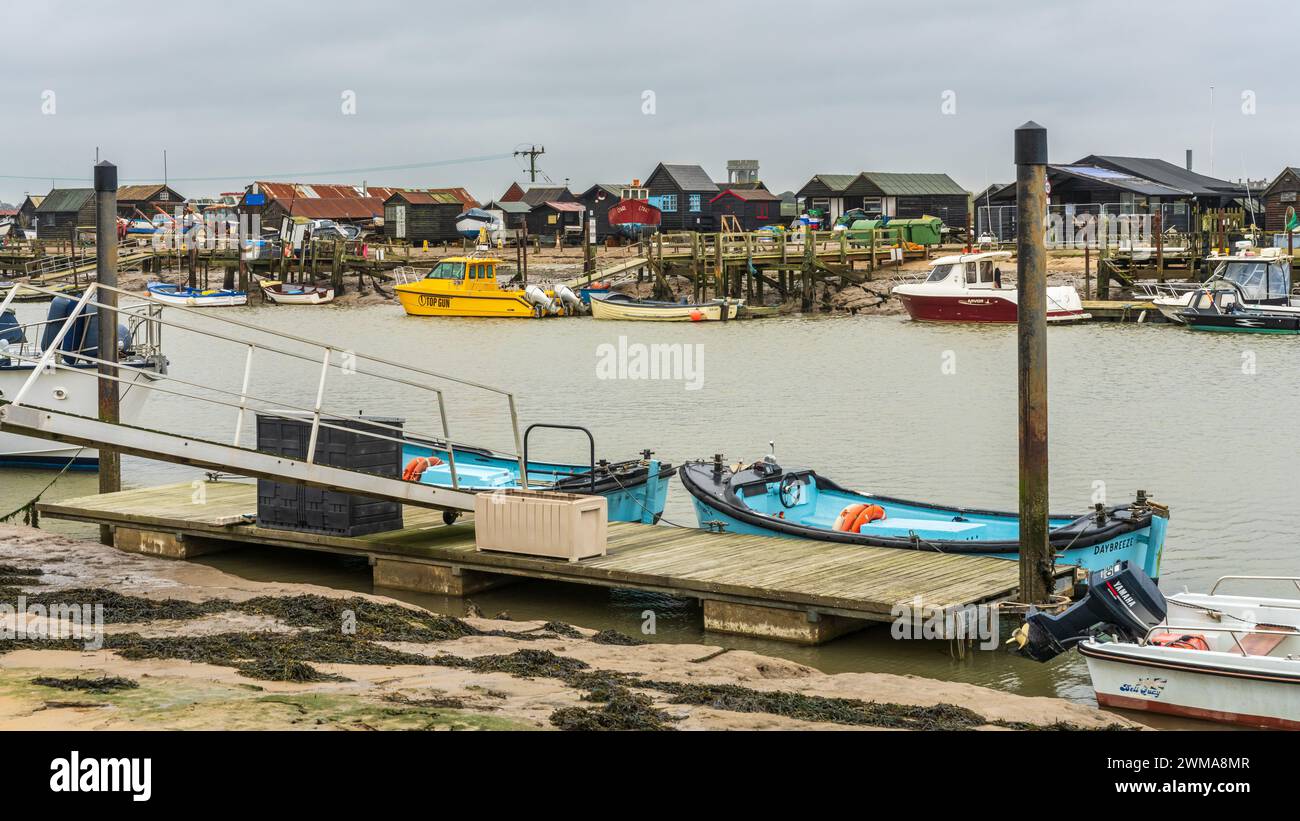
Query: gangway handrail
x=53, y=355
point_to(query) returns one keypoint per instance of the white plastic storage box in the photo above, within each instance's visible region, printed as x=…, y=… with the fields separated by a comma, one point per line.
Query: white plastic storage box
x=541, y=523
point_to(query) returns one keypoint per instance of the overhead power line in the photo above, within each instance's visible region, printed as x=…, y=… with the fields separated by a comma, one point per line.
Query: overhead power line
x=337, y=172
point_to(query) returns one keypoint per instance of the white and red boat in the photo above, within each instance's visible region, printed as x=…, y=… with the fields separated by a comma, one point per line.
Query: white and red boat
x=1228, y=658
x=970, y=288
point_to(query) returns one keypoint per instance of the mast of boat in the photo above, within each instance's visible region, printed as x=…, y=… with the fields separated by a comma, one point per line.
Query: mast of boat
x=1036, y=560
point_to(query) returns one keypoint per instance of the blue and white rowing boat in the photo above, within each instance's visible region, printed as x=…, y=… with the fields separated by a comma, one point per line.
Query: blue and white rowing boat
x=196, y=297
x=765, y=499
x=636, y=489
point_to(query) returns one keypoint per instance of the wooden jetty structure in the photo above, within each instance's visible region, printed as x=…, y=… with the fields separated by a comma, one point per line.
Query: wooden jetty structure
x=745, y=264
x=763, y=586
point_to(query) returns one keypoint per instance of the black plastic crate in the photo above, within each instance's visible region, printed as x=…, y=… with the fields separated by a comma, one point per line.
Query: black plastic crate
x=290, y=506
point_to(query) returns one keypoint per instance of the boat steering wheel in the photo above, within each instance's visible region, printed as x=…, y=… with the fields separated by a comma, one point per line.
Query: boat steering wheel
x=788, y=490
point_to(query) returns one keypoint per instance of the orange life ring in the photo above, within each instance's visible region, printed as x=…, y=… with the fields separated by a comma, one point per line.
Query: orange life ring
x=847, y=517
x=868, y=514
x=417, y=466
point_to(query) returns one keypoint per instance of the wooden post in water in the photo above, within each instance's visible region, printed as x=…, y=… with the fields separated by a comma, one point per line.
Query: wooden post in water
x=806, y=271
x=1031, y=291
x=1103, y=253
x=1157, y=225
x=110, y=461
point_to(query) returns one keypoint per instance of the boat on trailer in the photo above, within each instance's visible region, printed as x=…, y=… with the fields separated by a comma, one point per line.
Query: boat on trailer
x=1218, y=657
x=188, y=297
x=73, y=389
x=284, y=293
x=615, y=305
x=970, y=288
x=635, y=489
x=767, y=499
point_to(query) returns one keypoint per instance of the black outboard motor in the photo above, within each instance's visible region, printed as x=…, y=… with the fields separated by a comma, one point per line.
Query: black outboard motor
x=1121, y=598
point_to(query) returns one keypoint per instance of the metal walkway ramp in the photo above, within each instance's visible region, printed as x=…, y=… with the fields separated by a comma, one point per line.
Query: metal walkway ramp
x=37, y=409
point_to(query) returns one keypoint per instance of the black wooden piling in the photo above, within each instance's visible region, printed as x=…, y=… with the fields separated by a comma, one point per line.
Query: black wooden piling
x=1031, y=292
x=110, y=461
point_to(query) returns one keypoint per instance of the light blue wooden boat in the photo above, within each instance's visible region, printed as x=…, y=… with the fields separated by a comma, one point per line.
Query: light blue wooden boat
x=636, y=489
x=766, y=499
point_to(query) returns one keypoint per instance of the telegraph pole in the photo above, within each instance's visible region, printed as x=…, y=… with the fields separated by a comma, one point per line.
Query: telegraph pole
x=532, y=153
x=110, y=461
x=1031, y=291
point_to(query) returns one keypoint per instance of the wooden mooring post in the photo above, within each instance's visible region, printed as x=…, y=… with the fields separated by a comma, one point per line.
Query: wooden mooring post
x=110, y=461
x=1036, y=560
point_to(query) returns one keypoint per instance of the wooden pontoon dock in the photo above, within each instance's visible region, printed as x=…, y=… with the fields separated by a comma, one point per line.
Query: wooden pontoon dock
x=770, y=587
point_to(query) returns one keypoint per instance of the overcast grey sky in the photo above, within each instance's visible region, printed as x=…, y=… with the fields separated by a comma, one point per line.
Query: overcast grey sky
x=250, y=91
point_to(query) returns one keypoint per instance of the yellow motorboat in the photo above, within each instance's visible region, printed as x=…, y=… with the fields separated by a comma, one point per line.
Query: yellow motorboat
x=467, y=286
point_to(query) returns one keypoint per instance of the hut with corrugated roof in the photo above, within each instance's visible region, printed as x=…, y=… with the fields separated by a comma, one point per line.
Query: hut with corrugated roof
x=147, y=200
x=63, y=211
x=422, y=215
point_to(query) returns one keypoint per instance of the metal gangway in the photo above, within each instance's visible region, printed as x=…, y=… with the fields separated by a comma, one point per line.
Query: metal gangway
x=27, y=414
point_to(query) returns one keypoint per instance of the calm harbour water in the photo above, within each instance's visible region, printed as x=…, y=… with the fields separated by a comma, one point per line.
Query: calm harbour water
x=1205, y=423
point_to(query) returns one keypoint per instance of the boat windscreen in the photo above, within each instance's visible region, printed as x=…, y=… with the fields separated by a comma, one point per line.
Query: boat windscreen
x=1249, y=276
x=447, y=270
x=939, y=273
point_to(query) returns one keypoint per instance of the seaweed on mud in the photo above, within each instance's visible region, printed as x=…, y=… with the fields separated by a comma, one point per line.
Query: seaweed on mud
x=120, y=608
x=267, y=656
x=374, y=620
x=560, y=628
x=101, y=685
x=12, y=578
x=736, y=698
x=615, y=637
x=14, y=570
x=521, y=663
x=849, y=711
x=279, y=668
x=320, y=639
x=622, y=710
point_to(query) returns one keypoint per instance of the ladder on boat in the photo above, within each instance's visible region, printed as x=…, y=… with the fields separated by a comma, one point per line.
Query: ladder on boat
x=24, y=414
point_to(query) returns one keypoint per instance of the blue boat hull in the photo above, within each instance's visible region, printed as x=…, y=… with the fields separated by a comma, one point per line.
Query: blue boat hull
x=748, y=501
x=636, y=491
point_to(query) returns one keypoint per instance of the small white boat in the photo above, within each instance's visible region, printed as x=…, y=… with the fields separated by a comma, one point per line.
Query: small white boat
x=282, y=293
x=196, y=297
x=970, y=288
x=73, y=387
x=1217, y=657
x=614, y=305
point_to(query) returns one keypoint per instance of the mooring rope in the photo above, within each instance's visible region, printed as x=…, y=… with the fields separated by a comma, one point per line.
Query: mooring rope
x=31, y=516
